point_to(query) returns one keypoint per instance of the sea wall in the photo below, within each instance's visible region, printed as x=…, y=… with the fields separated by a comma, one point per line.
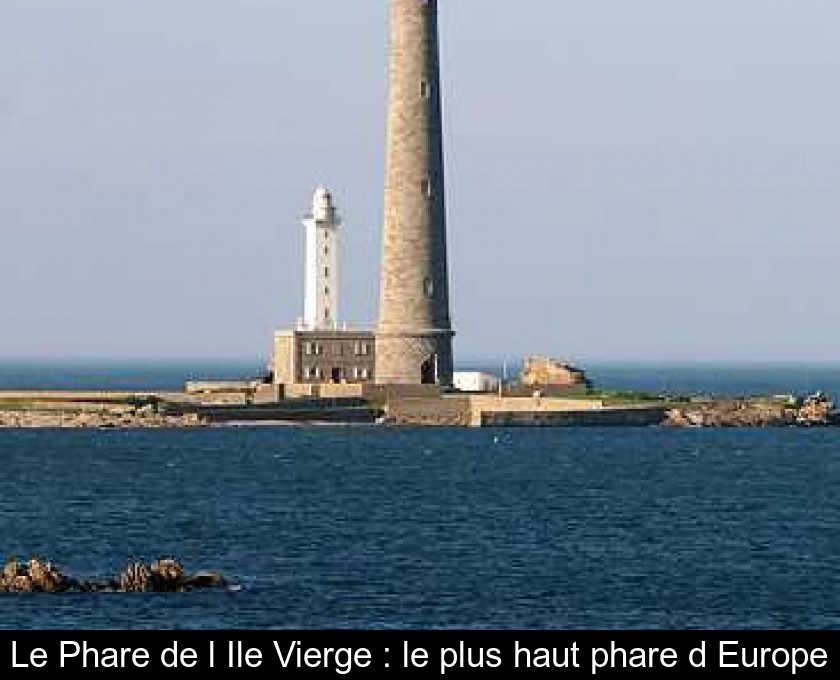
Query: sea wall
x=495, y=411
x=350, y=411
x=609, y=417
x=428, y=411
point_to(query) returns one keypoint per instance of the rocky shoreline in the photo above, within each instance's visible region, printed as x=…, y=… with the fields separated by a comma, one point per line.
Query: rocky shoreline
x=61, y=418
x=814, y=411
x=161, y=576
x=28, y=411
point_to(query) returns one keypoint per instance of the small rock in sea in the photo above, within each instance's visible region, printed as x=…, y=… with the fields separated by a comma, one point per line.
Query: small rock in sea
x=45, y=577
x=136, y=578
x=166, y=575
x=205, y=579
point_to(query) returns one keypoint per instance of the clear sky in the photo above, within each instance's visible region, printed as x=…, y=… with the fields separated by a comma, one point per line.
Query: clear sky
x=645, y=180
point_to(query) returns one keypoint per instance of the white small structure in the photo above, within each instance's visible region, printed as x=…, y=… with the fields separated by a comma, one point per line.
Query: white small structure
x=475, y=381
x=321, y=303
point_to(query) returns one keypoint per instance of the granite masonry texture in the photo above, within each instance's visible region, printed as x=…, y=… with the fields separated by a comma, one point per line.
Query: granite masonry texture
x=414, y=335
x=316, y=357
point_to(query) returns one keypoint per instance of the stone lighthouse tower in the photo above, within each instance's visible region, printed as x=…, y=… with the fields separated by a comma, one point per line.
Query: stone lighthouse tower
x=414, y=335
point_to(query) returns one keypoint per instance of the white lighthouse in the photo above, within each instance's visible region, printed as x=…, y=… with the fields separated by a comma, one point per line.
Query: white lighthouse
x=321, y=304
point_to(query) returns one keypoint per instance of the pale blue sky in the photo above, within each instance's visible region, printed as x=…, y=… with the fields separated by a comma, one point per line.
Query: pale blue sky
x=656, y=179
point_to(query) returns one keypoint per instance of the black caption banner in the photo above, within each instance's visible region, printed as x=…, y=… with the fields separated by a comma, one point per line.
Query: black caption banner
x=448, y=654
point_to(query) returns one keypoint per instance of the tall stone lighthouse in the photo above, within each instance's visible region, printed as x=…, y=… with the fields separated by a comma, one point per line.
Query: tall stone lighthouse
x=414, y=334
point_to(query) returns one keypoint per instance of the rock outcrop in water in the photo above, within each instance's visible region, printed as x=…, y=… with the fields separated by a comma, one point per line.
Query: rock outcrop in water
x=547, y=373
x=814, y=411
x=161, y=576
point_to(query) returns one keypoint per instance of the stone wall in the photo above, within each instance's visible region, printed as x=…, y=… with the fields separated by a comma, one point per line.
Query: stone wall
x=609, y=417
x=428, y=411
x=492, y=411
x=401, y=358
x=211, y=386
x=283, y=358
x=480, y=405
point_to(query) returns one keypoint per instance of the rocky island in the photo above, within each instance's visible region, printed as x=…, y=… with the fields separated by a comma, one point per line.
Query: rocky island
x=548, y=393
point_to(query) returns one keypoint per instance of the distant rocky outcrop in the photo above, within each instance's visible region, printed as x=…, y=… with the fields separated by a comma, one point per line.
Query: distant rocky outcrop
x=817, y=410
x=161, y=576
x=814, y=411
x=547, y=373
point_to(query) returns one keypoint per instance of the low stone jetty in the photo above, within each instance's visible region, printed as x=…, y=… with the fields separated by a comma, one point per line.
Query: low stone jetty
x=166, y=575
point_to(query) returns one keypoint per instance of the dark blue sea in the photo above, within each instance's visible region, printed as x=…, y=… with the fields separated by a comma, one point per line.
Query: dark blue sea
x=363, y=527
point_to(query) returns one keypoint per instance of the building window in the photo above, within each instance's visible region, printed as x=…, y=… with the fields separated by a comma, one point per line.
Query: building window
x=428, y=287
x=327, y=290
x=326, y=271
x=361, y=349
x=313, y=348
x=425, y=89
x=427, y=187
x=360, y=373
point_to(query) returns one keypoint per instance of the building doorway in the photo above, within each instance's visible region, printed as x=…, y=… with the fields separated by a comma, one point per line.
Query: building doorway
x=428, y=371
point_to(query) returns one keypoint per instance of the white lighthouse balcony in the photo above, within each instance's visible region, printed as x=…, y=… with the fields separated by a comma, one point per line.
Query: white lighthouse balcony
x=303, y=325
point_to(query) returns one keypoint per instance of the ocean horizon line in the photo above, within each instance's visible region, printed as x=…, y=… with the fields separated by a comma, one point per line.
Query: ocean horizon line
x=464, y=364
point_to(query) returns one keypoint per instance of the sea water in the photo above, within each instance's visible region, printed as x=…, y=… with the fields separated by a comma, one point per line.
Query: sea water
x=366, y=527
